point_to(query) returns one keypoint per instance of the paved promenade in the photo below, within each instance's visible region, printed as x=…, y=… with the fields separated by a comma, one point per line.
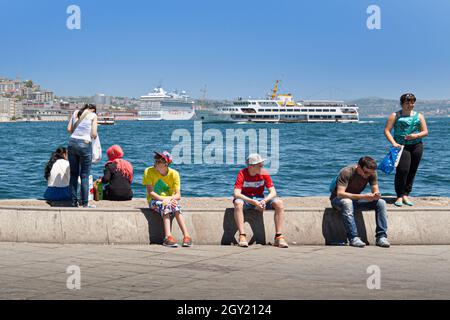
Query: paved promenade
x=38, y=271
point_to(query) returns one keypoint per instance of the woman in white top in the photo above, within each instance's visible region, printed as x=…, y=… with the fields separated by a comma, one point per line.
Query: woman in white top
x=83, y=128
x=57, y=174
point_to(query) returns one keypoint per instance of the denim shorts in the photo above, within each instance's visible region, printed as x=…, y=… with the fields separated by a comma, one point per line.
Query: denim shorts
x=248, y=206
x=158, y=207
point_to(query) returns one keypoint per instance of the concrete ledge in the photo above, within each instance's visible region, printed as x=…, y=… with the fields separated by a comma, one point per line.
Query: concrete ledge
x=308, y=221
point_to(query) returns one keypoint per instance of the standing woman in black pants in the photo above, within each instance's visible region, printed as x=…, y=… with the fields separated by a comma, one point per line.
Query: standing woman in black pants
x=409, y=129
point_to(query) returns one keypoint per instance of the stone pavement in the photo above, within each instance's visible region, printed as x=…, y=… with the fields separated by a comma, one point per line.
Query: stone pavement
x=38, y=271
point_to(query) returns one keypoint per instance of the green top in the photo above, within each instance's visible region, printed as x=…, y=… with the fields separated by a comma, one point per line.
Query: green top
x=405, y=125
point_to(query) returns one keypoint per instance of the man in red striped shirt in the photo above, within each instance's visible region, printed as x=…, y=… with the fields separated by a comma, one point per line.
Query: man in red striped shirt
x=249, y=194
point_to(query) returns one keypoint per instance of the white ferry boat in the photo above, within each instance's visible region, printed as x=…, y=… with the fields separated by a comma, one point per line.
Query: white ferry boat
x=162, y=105
x=106, y=120
x=281, y=108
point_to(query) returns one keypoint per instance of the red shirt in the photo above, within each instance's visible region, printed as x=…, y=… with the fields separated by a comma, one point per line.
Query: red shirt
x=252, y=186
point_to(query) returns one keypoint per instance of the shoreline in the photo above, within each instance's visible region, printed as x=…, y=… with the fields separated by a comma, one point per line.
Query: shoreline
x=120, y=120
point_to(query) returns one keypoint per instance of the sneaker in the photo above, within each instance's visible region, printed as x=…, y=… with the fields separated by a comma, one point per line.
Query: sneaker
x=280, y=242
x=357, y=242
x=90, y=206
x=170, y=242
x=243, y=241
x=187, y=242
x=383, y=242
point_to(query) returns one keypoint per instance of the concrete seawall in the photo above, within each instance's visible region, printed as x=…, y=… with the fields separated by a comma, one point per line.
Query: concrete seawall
x=308, y=221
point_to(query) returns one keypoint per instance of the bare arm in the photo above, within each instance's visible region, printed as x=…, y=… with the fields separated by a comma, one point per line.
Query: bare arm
x=70, y=125
x=375, y=188
x=423, y=127
x=272, y=194
x=176, y=196
x=94, y=128
x=153, y=194
x=387, y=130
x=347, y=195
x=237, y=194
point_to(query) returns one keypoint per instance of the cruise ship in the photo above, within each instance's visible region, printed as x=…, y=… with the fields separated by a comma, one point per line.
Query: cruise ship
x=162, y=105
x=281, y=108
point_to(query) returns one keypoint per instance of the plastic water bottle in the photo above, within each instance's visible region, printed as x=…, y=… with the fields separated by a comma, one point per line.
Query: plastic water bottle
x=100, y=190
x=91, y=188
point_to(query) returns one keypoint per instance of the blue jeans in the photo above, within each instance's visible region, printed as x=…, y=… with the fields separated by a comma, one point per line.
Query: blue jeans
x=57, y=194
x=80, y=159
x=347, y=207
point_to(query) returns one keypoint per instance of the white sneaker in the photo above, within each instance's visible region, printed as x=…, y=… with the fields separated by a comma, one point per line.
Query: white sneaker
x=383, y=242
x=357, y=242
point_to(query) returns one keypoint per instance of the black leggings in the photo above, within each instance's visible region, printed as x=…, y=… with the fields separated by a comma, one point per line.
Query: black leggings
x=407, y=168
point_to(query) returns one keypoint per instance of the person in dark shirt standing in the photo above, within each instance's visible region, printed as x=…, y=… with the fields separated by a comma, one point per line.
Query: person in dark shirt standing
x=117, y=177
x=346, y=197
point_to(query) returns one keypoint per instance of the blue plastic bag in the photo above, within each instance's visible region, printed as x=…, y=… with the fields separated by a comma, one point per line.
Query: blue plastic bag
x=391, y=160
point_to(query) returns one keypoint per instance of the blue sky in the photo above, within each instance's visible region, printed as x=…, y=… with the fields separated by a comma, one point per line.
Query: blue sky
x=320, y=49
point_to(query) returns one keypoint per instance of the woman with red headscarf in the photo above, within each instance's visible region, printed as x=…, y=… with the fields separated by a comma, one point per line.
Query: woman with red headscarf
x=118, y=176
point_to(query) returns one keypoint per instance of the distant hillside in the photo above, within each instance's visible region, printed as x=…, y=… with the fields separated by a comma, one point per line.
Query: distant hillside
x=379, y=107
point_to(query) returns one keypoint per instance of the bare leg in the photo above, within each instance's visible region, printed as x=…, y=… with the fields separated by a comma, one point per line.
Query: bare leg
x=167, y=225
x=181, y=223
x=279, y=215
x=239, y=216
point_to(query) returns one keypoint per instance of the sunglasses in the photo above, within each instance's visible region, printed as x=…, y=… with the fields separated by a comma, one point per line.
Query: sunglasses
x=159, y=160
x=410, y=97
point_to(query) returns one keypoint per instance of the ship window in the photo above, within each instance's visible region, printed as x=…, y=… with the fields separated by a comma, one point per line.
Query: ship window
x=333, y=110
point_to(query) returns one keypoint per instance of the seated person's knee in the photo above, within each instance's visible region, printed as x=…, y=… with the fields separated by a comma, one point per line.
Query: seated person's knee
x=381, y=203
x=346, y=202
x=238, y=204
x=278, y=204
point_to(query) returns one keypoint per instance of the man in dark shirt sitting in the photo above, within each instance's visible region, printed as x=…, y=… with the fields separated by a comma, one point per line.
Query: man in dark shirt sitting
x=347, y=198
